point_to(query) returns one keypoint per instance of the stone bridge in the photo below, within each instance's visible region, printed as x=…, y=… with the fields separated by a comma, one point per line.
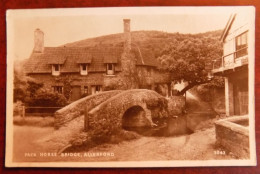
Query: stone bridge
x=105, y=113
x=130, y=108
x=119, y=109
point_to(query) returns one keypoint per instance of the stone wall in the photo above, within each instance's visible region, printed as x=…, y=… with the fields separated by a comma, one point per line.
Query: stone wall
x=233, y=135
x=77, y=108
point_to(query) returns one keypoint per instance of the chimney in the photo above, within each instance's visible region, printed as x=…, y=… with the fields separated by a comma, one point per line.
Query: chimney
x=38, y=41
x=126, y=25
x=127, y=34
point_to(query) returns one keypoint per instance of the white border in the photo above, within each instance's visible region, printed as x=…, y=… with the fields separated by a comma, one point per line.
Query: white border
x=122, y=11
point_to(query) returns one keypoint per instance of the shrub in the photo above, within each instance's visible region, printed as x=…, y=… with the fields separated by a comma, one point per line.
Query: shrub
x=103, y=131
x=176, y=105
x=48, y=99
x=33, y=87
x=18, y=108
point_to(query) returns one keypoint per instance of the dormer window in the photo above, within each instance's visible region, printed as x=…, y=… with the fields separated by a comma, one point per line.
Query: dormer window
x=55, y=69
x=110, y=69
x=83, y=69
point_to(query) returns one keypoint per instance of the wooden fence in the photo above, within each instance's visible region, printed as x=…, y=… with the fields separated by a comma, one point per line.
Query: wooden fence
x=38, y=111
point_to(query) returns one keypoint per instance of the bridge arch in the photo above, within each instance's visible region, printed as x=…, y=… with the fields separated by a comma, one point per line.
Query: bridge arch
x=136, y=116
x=114, y=111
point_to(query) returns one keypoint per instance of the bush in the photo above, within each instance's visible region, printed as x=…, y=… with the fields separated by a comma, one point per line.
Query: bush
x=203, y=92
x=18, y=108
x=103, y=131
x=48, y=99
x=176, y=105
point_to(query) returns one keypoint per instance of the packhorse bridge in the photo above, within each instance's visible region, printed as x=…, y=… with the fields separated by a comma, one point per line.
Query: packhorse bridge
x=104, y=114
x=119, y=109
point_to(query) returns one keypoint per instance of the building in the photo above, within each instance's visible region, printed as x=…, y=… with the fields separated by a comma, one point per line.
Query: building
x=81, y=71
x=233, y=65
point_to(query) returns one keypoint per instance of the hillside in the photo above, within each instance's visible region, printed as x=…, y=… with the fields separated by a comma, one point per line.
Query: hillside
x=156, y=41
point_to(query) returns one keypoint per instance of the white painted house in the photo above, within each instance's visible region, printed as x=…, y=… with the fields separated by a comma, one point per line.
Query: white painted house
x=234, y=64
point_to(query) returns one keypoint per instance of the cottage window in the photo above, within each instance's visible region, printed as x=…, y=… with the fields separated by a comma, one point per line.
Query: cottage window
x=86, y=90
x=241, y=45
x=56, y=69
x=83, y=69
x=57, y=89
x=110, y=69
x=96, y=89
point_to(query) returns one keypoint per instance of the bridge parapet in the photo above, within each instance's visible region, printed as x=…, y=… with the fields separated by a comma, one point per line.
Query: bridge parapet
x=76, y=108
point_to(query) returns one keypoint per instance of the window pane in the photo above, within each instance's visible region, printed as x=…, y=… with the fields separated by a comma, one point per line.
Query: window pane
x=110, y=66
x=241, y=45
x=241, y=41
x=56, y=67
x=238, y=41
x=84, y=67
x=244, y=39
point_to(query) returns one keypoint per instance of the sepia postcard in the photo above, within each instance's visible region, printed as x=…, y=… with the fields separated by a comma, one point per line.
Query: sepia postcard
x=131, y=87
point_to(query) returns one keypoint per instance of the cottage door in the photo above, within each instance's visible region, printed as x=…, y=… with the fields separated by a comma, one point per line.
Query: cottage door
x=76, y=93
x=241, y=98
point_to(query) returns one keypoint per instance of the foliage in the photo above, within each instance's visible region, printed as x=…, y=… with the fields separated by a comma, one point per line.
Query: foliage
x=33, y=87
x=32, y=93
x=204, y=91
x=48, y=99
x=217, y=82
x=20, y=85
x=67, y=87
x=103, y=131
x=176, y=105
x=186, y=57
x=24, y=87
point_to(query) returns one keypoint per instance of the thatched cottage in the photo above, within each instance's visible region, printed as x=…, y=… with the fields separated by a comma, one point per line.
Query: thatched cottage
x=80, y=71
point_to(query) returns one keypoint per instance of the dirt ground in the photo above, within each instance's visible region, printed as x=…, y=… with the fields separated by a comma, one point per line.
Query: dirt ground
x=197, y=146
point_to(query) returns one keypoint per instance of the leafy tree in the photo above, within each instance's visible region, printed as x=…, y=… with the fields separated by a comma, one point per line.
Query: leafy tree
x=20, y=86
x=186, y=57
x=33, y=87
x=32, y=93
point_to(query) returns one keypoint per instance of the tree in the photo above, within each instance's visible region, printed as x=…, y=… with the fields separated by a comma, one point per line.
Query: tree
x=186, y=56
x=20, y=85
x=33, y=86
x=32, y=93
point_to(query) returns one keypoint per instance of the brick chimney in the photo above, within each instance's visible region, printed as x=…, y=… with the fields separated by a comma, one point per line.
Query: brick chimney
x=127, y=34
x=38, y=41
